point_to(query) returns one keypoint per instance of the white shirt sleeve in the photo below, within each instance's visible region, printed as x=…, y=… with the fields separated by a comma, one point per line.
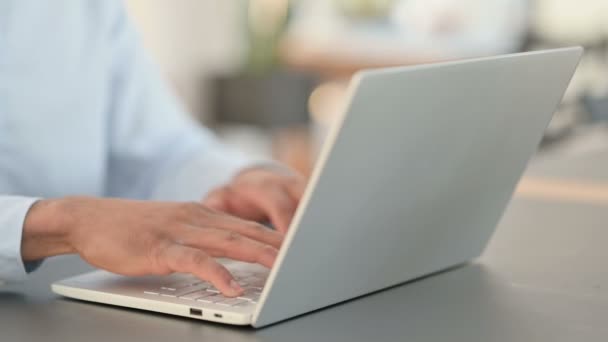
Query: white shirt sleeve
x=156, y=150
x=13, y=210
x=152, y=148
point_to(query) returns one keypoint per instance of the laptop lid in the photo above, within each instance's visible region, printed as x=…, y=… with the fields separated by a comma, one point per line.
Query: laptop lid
x=415, y=176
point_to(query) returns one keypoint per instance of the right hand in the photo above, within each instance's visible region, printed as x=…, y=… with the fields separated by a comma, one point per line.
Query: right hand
x=148, y=238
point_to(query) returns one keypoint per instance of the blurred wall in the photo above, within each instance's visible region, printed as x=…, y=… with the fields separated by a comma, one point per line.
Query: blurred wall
x=191, y=40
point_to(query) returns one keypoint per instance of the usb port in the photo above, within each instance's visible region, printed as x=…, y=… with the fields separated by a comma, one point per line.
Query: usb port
x=196, y=312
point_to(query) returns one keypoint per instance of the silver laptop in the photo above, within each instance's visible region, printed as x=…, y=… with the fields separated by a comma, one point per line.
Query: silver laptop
x=412, y=180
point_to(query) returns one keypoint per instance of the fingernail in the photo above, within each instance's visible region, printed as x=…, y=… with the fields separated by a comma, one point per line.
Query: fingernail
x=235, y=286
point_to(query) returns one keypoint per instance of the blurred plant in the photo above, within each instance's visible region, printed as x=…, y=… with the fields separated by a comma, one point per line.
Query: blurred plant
x=266, y=22
x=365, y=9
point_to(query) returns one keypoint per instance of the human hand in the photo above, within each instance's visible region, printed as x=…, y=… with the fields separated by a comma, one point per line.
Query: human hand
x=264, y=193
x=148, y=238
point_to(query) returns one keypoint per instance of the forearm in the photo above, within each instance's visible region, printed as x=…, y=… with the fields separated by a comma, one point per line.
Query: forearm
x=46, y=230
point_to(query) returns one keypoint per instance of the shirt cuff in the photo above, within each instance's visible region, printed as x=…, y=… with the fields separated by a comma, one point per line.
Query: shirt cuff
x=13, y=210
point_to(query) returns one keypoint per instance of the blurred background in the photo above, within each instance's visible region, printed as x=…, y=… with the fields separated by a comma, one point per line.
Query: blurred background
x=269, y=76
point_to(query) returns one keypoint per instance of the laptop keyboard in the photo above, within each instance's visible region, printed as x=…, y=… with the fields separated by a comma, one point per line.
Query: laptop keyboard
x=193, y=289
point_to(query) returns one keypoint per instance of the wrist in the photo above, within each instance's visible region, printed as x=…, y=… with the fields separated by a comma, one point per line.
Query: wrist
x=46, y=231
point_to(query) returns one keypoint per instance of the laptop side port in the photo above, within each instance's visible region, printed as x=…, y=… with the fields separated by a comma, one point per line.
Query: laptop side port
x=196, y=312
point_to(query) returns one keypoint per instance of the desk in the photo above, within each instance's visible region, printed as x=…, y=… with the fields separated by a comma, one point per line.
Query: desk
x=544, y=277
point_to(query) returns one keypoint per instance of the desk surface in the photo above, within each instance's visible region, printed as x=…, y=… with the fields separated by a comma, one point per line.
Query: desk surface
x=544, y=277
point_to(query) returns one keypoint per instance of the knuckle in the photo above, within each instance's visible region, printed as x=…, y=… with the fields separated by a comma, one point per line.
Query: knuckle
x=199, y=259
x=186, y=211
x=157, y=251
x=233, y=237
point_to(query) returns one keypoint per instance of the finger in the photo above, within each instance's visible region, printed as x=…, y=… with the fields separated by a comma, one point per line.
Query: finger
x=256, y=232
x=296, y=187
x=274, y=200
x=230, y=244
x=204, y=218
x=231, y=204
x=186, y=259
x=217, y=200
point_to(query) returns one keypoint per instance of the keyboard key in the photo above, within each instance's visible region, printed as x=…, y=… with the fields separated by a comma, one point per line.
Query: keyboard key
x=255, y=282
x=191, y=289
x=166, y=292
x=197, y=294
x=243, y=283
x=184, y=291
x=241, y=274
x=211, y=299
x=177, y=293
x=251, y=295
x=179, y=284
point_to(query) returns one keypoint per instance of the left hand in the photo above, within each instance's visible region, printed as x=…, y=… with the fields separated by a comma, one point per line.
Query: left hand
x=263, y=193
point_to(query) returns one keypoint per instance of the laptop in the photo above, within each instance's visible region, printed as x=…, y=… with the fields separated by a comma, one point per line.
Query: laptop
x=412, y=180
